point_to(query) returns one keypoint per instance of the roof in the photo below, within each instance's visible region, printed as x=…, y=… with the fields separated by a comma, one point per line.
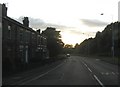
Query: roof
x=17, y=23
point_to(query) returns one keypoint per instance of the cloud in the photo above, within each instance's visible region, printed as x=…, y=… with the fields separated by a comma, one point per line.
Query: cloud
x=34, y=23
x=41, y=24
x=75, y=32
x=93, y=23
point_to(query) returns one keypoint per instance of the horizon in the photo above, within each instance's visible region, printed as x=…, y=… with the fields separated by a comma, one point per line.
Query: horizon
x=72, y=18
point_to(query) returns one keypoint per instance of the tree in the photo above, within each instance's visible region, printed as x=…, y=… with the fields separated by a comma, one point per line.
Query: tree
x=68, y=48
x=54, y=42
x=102, y=43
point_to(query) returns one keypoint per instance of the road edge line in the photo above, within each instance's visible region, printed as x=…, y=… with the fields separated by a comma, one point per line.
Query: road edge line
x=39, y=76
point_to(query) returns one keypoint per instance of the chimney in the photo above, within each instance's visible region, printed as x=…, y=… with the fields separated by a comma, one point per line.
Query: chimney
x=26, y=21
x=38, y=31
x=4, y=10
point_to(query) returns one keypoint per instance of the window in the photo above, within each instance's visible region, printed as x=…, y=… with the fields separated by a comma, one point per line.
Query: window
x=21, y=35
x=38, y=39
x=9, y=32
x=21, y=47
x=33, y=37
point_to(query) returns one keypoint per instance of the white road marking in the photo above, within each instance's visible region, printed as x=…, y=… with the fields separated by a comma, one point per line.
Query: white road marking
x=98, y=80
x=94, y=75
x=97, y=59
x=107, y=73
x=40, y=75
x=86, y=65
x=89, y=69
x=102, y=73
x=113, y=73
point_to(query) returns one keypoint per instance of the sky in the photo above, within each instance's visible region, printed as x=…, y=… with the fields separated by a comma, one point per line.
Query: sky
x=76, y=19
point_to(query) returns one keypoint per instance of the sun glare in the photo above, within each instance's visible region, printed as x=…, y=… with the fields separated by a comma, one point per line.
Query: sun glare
x=70, y=38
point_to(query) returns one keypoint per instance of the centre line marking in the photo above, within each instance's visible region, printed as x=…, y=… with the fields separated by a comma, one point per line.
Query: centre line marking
x=113, y=73
x=99, y=81
x=85, y=65
x=89, y=69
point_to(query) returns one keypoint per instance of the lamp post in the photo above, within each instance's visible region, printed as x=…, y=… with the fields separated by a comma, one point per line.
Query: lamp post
x=112, y=48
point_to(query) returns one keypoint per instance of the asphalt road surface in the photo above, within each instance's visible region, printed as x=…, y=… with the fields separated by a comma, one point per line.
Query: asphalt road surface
x=75, y=71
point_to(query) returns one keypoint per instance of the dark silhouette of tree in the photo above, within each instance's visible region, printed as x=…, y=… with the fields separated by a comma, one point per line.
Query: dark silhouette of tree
x=102, y=43
x=76, y=50
x=68, y=48
x=54, y=42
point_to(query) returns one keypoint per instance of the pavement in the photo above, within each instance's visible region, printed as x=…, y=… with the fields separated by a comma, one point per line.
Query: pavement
x=74, y=70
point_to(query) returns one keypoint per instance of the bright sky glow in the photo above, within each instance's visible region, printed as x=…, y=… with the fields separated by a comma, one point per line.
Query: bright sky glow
x=76, y=19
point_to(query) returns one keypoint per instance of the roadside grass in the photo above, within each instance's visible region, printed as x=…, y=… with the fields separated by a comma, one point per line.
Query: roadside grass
x=111, y=60
x=115, y=60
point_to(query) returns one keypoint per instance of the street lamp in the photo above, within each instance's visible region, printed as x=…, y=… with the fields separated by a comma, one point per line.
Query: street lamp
x=112, y=48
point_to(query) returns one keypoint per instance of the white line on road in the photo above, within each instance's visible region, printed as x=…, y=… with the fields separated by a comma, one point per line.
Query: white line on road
x=107, y=73
x=98, y=80
x=94, y=75
x=113, y=73
x=89, y=69
x=40, y=75
x=102, y=73
x=86, y=65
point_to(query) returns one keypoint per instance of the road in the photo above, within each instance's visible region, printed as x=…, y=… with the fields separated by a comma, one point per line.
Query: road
x=75, y=71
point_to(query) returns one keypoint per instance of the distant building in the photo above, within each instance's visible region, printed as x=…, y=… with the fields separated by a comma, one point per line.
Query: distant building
x=21, y=44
